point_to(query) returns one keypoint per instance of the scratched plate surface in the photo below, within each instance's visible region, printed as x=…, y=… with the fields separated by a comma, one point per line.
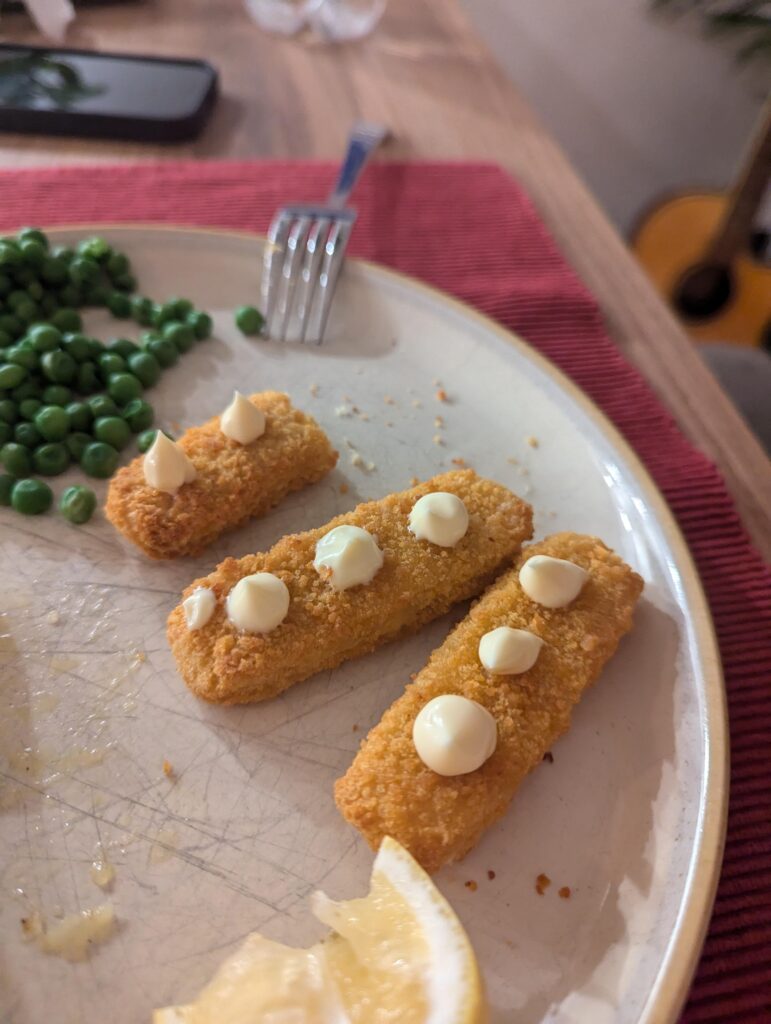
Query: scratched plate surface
x=628, y=815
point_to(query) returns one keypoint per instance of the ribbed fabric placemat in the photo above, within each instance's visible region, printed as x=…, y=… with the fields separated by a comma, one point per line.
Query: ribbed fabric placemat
x=470, y=230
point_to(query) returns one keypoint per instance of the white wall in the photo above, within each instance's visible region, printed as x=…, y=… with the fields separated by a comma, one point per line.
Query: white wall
x=641, y=103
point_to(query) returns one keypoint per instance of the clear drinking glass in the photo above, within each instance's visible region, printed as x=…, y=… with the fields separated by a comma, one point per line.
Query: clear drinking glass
x=329, y=20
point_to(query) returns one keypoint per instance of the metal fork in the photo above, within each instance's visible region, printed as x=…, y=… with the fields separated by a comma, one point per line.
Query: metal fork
x=305, y=249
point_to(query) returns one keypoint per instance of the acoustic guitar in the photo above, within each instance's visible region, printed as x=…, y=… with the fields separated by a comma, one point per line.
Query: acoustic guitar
x=698, y=249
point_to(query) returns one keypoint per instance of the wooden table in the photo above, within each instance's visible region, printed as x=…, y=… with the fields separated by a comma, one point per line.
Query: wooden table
x=424, y=73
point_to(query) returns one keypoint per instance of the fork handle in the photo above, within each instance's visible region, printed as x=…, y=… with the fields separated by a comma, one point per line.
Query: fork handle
x=362, y=142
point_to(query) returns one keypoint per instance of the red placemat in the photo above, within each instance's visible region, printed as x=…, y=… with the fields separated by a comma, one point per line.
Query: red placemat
x=470, y=230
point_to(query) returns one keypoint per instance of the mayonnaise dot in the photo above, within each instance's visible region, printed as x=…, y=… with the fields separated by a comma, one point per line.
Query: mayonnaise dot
x=508, y=651
x=454, y=735
x=166, y=467
x=350, y=556
x=258, y=603
x=242, y=421
x=440, y=518
x=199, y=607
x=552, y=582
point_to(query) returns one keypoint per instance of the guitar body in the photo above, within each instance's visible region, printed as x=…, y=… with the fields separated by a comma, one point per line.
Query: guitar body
x=671, y=242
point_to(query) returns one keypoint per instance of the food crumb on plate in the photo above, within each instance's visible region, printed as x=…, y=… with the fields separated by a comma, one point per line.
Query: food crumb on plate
x=441, y=395
x=344, y=487
x=512, y=461
x=354, y=727
x=388, y=400
x=53, y=618
x=564, y=893
x=438, y=422
x=438, y=439
x=416, y=403
x=343, y=411
x=458, y=461
x=490, y=874
x=314, y=389
x=471, y=885
x=548, y=756
x=414, y=481
x=532, y=441
x=168, y=769
x=542, y=883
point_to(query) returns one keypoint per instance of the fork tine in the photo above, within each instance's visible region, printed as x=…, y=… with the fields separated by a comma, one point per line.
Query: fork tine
x=334, y=250
x=314, y=252
x=272, y=261
x=295, y=244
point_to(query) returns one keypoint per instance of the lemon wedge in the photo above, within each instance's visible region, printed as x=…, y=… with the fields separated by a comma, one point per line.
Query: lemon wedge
x=397, y=955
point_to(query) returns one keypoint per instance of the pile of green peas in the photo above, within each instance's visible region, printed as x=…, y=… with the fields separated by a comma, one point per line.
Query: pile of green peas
x=65, y=397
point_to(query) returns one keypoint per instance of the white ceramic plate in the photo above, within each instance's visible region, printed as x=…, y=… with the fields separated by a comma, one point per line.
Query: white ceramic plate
x=630, y=815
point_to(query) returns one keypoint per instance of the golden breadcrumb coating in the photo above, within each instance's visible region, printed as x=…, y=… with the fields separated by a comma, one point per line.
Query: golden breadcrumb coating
x=418, y=582
x=234, y=482
x=388, y=791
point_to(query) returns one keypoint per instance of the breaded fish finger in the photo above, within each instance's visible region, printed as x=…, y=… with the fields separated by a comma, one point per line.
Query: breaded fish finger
x=233, y=483
x=416, y=582
x=388, y=789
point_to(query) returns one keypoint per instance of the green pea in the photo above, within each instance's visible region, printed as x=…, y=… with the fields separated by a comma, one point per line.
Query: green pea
x=165, y=314
x=6, y=486
x=25, y=357
x=58, y=367
x=70, y=295
x=125, y=282
x=57, y=394
x=28, y=407
x=163, y=350
x=76, y=443
x=122, y=387
x=182, y=307
x=118, y=264
x=10, y=254
x=87, y=380
x=181, y=335
x=11, y=324
x=33, y=235
x=15, y=458
x=77, y=346
x=99, y=460
x=28, y=311
x=8, y=410
x=32, y=252
x=36, y=291
x=95, y=249
x=146, y=367
x=11, y=375
x=201, y=324
x=53, y=422
x=29, y=389
x=97, y=295
x=31, y=497
x=119, y=305
x=123, y=347
x=77, y=504
x=64, y=253
x=139, y=415
x=142, y=310
x=112, y=430
x=80, y=415
x=54, y=271
x=102, y=405
x=84, y=271
x=51, y=459
x=110, y=362
x=67, y=320
x=249, y=320
x=27, y=434
x=44, y=337
x=96, y=346
x=6, y=432
x=14, y=298
x=146, y=438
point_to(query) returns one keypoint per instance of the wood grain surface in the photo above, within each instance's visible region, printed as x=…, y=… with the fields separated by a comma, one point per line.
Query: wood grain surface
x=426, y=74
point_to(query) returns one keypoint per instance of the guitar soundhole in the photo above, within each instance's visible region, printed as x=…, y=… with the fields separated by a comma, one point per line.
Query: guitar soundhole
x=703, y=291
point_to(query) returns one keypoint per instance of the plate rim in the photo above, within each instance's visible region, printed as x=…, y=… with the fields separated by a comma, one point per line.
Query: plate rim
x=683, y=950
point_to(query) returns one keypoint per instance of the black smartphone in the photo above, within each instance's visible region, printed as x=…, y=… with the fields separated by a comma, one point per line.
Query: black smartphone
x=103, y=95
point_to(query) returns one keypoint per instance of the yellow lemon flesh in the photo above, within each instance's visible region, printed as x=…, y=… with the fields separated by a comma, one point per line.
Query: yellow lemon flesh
x=397, y=955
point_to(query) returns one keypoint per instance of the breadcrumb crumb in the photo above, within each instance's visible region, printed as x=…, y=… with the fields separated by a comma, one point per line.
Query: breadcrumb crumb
x=458, y=461
x=438, y=439
x=314, y=389
x=542, y=883
x=168, y=769
x=471, y=885
x=388, y=400
x=564, y=893
x=532, y=441
x=344, y=488
x=438, y=422
x=441, y=395
x=490, y=874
